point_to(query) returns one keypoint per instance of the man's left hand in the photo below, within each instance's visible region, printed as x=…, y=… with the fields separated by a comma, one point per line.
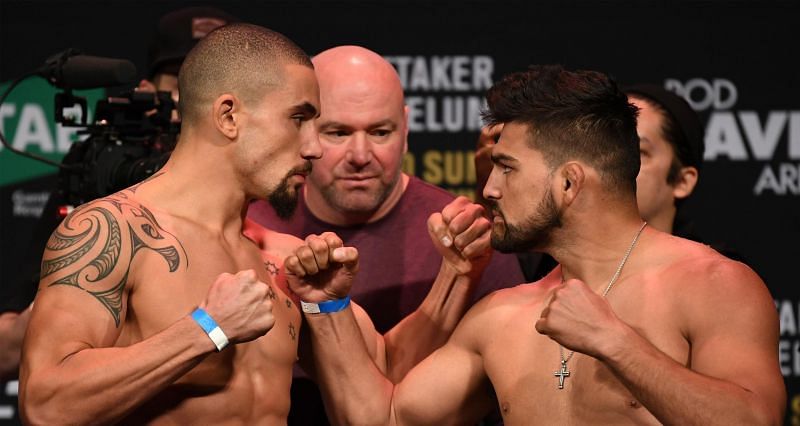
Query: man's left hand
x=580, y=319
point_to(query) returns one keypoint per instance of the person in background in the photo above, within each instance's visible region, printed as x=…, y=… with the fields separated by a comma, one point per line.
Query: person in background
x=358, y=191
x=176, y=33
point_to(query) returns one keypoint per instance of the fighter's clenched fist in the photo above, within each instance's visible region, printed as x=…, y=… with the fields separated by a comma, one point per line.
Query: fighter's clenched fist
x=240, y=306
x=322, y=269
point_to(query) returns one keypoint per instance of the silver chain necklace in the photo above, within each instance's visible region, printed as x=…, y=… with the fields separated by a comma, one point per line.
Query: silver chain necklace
x=563, y=372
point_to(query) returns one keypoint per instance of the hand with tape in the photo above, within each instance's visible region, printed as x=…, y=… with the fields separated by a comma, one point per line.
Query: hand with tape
x=322, y=269
x=239, y=305
x=461, y=234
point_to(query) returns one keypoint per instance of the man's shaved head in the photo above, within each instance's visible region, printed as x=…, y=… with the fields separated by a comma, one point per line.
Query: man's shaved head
x=363, y=129
x=356, y=68
x=243, y=59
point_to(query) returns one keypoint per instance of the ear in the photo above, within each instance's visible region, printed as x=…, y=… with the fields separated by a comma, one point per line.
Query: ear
x=687, y=180
x=226, y=115
x=405, y=137
x=571, y=179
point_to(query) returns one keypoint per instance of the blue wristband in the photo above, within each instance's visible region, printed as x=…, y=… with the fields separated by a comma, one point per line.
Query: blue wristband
x=204, y=320
x=328, y=307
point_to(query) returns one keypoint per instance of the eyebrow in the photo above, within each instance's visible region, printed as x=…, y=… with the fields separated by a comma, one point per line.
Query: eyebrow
x=497, y=158
x=339, y=125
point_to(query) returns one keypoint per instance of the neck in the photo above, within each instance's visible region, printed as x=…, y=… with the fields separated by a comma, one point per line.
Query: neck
x=594, y=247
x=198, y=184
x=324, y=212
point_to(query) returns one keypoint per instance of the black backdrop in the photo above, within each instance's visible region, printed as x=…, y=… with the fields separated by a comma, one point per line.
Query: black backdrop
x=737, y=61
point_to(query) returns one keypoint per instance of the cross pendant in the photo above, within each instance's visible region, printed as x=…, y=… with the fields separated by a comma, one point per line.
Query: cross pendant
x=562, y=374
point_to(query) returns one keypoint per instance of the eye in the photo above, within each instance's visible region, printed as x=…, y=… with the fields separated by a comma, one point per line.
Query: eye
x=503, y=168
x=298, y=119
x=336, y=134
x=381, y=133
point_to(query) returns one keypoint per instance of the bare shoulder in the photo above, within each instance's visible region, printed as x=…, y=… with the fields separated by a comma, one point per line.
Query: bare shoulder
x=706, y=269
x=271, y=242
x=708, y=286
x=94, y=246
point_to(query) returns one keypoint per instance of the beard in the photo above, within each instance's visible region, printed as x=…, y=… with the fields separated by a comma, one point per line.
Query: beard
x=283, y=198
x=359, y=201
x=534, y=232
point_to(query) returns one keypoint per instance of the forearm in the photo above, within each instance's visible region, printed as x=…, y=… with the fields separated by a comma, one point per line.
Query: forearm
x=675, y=394
x=429, y=327
x=102, y=385
x=354, y=389
x=12, y=330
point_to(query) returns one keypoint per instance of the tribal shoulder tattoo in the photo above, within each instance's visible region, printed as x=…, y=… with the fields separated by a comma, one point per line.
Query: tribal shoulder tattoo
x=94, y=247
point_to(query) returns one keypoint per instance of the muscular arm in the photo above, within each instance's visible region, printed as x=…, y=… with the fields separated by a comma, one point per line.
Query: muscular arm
x=464, y=257
x=71, y=372
x=733, y=376
x=448, y=387
x=429, y=327
x=12, y=329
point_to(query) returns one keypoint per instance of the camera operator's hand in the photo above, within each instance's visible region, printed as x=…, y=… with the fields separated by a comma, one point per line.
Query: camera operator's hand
x=240, y=306
x=146, y=86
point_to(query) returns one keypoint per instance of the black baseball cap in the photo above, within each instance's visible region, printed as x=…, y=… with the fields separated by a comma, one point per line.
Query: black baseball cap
x=686, y=119
x=177, y=33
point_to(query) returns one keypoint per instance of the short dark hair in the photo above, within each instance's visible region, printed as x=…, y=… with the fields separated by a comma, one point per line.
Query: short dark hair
x=572, y=115
x=244, y=59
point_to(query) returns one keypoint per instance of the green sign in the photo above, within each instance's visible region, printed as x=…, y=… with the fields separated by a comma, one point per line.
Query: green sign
x=27, y=121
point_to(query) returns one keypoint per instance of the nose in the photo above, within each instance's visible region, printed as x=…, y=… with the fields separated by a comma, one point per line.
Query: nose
x=359, y=150
x=491, y=191
x=310, y=148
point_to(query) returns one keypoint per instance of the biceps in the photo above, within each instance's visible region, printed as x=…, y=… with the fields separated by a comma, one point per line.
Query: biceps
x=448, y=387
x=64, y=321
x=744, y=354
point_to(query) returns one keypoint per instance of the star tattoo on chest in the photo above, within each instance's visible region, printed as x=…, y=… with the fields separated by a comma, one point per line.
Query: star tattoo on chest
x=271, y=267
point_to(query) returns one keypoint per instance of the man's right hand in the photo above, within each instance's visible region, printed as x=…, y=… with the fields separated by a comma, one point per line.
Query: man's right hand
x=322, y=269
x=240, y=306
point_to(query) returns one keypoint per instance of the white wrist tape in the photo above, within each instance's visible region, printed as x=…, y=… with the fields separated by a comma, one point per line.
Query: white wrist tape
x=328, y=307
x=204, y=320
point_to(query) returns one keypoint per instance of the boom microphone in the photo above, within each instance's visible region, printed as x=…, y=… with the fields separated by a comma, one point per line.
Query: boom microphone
x=70, y=70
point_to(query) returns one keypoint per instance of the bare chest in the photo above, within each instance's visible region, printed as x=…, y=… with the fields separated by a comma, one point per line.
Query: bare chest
x=533, y=386
x=231, y=382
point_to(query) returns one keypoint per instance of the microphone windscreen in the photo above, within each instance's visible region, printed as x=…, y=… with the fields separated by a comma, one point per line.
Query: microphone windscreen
x=87, y=72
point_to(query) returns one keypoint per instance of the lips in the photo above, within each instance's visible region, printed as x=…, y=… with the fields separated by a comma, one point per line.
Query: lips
x=357, y=178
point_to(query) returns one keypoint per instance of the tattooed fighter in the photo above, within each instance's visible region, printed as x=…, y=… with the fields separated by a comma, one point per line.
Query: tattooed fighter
x=142, y=290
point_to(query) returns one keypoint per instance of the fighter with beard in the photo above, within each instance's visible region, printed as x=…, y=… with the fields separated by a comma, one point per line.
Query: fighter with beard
x=636, y=326
x=153, y=307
